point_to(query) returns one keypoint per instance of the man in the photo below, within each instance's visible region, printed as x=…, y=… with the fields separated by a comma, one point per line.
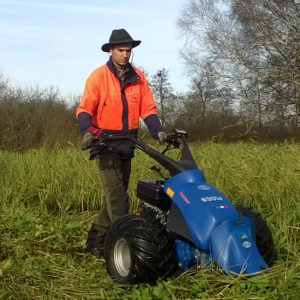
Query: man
x=116, y=95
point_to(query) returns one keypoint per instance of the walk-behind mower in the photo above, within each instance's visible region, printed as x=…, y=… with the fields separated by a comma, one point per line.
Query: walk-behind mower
x=183, y=222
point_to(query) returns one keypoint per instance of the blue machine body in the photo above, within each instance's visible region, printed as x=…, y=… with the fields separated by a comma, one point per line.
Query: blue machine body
x=214, y=225
x=186, y=255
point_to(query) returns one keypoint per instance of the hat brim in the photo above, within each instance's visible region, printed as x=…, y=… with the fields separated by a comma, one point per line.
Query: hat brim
x=106, y=46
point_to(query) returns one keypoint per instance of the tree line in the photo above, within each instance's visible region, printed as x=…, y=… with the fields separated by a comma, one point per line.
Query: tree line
x=243, y=60
x=243, y=63
x=34, y=118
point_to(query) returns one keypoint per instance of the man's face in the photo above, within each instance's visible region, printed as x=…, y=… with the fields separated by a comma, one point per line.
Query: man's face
x=120, y=54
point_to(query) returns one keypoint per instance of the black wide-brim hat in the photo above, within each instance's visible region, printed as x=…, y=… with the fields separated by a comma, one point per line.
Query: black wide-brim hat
x=119, y=37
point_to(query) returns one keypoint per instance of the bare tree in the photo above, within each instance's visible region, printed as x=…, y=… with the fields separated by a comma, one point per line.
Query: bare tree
x=163, y=94
x=254, y=48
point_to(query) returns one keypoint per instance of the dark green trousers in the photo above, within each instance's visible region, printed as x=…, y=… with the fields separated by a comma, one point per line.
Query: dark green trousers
x=115, y=175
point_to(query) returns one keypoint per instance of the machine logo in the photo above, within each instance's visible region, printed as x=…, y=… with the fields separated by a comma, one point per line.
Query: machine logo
x=212, y=198
x=203, y=187
x=183, y=196
x=246, y=244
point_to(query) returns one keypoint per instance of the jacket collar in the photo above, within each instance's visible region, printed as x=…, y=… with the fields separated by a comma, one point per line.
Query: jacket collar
x=130, y=77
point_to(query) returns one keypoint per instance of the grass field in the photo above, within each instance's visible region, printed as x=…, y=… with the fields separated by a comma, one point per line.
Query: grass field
x=49, y=199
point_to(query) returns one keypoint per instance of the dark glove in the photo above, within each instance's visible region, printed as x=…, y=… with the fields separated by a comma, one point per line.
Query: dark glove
x=162, y=136
x=87, y=141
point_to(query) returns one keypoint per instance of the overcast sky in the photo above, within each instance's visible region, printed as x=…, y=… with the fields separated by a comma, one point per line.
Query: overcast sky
x=57, y=42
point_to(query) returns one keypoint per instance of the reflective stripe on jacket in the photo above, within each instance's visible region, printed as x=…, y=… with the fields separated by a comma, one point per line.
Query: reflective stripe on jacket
x=113, y=104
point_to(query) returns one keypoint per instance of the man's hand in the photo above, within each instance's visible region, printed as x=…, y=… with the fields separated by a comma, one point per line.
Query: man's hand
x=162, y=136
x=87, y=141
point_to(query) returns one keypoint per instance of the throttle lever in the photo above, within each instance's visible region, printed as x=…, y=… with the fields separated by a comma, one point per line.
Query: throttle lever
x=158, y=170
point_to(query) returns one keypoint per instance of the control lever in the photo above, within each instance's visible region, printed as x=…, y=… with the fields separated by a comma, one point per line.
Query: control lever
x=158, y=170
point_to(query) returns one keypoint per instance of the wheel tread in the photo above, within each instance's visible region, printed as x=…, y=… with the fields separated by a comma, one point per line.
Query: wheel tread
x=150, y=244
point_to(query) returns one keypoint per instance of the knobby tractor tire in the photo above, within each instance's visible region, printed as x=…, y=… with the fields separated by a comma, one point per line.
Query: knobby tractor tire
x=264, y=239
x=138, y=249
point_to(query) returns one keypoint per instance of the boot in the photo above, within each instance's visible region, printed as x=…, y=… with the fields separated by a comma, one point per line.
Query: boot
x=95, y=243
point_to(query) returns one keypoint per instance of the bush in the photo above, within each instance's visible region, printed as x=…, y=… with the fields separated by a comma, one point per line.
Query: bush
x=34, y=118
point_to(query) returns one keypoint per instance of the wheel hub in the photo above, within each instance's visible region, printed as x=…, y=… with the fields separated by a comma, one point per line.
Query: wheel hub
x=122, y=257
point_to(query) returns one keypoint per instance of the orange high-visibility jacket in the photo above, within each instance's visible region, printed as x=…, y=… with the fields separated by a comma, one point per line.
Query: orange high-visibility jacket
x=113, y=104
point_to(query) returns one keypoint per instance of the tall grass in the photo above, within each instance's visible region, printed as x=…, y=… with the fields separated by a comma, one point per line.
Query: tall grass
x=50, y=197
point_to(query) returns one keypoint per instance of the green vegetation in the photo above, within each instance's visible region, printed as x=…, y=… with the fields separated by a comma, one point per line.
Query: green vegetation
x=50, y=197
